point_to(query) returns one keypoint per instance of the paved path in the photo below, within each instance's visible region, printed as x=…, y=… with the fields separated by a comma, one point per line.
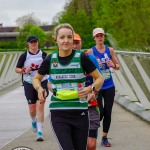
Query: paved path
x=14, y=115
x=127, y=132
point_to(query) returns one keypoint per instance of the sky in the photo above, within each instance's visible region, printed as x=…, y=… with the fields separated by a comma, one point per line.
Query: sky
x=44, y=10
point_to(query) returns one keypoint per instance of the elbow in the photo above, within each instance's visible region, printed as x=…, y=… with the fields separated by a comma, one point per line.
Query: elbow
x=16, y=70
x=102, y=80
x=100, y=83
x=117, y=67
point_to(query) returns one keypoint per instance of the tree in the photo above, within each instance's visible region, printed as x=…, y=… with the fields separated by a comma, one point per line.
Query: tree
x=126, y=21
x=76, y=15
x=28, y=30
x=28, y=19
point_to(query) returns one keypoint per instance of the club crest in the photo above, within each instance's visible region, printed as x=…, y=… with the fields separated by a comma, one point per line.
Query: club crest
x=55, y=64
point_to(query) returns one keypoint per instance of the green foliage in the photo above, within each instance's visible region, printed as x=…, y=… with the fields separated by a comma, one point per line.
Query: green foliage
x=76, y=15
x=42, y=36
x=28, y=30
x=50, y=40
x=8, y=45
x=126, y=21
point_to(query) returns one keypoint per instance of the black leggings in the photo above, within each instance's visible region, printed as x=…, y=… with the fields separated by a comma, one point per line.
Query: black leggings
x=106, y=106
x=71, y=129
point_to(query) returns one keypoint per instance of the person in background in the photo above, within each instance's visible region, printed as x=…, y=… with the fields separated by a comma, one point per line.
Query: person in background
x=94, y=114
x=68, y=106
x=77, y=42
x=108, y=61
x=28, y=65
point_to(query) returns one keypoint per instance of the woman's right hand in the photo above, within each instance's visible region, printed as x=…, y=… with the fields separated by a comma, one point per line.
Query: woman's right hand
x=42, y=94
x=27, y=70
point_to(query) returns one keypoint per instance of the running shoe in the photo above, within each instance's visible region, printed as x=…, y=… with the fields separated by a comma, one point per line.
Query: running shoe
x=39, y=136
x=105, y=142
x=34, y=127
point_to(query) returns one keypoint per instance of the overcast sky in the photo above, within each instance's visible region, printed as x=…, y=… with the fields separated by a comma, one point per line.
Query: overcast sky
x=44, y=10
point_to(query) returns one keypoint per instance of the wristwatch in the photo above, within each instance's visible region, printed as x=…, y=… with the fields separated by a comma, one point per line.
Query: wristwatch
x=93, y=88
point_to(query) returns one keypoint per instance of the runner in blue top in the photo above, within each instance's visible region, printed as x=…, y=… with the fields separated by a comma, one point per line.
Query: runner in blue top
x=107, y=61
x=94, y=115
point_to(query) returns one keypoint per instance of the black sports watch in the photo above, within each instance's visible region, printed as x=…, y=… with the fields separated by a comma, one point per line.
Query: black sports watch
x=93, y=88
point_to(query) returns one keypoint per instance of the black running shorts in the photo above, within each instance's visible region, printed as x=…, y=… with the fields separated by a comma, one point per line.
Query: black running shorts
x=31, y=94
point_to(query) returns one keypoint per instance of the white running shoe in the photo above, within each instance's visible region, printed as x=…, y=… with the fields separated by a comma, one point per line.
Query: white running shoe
x=39, y=136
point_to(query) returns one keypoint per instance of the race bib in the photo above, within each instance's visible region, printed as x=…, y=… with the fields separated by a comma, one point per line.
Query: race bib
x=28, y=79
x=106, y=74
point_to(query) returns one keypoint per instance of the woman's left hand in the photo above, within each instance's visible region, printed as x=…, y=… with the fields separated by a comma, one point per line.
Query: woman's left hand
x=91, y=97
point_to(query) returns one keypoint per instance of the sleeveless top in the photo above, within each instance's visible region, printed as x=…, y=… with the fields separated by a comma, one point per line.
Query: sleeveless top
x=33, y=61
x=65, y=79
x=108, y=81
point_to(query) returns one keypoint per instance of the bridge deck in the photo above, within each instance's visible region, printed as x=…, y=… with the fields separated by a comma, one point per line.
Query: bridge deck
x=127, y=130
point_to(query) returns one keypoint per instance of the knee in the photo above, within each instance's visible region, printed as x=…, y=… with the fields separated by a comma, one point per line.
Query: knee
x=40, y=106
x=91, y=144
x=32, y=111
x=91, y=147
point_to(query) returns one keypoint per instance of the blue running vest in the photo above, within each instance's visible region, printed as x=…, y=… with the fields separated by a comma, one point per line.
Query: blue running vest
x=108, y=81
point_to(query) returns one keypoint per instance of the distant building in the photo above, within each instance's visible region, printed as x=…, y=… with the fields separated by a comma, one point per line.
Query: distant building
x=10, y=33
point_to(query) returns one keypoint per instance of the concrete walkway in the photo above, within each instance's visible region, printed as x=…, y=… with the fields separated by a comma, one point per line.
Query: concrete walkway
x=127, y=132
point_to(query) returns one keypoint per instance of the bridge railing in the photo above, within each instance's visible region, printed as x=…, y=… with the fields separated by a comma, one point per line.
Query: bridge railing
x=133, y=79
x=8, y=76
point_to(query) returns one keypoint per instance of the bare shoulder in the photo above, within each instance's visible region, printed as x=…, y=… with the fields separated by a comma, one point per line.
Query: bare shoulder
x=111, y=51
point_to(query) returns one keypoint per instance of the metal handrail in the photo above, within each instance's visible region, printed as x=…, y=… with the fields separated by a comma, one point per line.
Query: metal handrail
x=125, y=80
x=8, y=76
x=132, y=53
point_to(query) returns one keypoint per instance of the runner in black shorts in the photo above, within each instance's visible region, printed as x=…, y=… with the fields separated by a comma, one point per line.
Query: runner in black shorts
x=32, y=96
x=28, y=65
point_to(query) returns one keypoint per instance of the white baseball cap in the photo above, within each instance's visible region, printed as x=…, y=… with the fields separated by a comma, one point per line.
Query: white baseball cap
x=98, y=30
